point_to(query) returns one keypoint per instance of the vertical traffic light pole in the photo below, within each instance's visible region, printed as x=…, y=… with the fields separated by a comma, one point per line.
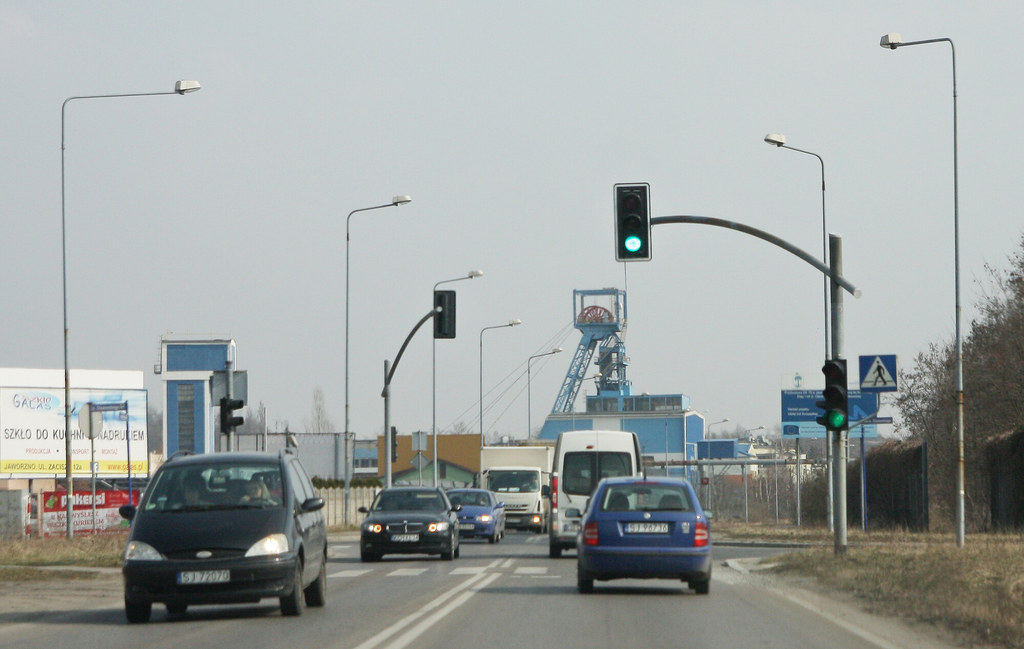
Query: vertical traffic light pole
x=389, y=373
x=839, y=451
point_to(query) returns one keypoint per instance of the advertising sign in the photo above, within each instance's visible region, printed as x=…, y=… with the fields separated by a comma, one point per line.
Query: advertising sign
x=32, y=433
x=799, y=413
x=53, y=512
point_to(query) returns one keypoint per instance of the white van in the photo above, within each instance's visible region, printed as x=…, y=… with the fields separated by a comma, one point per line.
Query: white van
x=582, y=458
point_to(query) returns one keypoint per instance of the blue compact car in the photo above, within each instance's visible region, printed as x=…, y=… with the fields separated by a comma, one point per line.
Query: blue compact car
x=644, y=528
x=482, y=515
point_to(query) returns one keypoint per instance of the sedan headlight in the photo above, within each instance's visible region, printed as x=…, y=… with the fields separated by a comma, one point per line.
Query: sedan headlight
x=373, y=528
x=484, y=518
x=139, y=551
x=268, y=545
x=441, y=526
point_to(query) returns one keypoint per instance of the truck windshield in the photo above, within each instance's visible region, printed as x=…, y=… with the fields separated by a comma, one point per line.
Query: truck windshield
x=513, y=481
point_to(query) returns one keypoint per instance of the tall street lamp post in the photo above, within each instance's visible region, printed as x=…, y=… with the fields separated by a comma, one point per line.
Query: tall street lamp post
x=892, y=41
x=180, y=88
x=779, y=140
x=397, y=200
x=529, y=400
x=433, y=365
x=511, y=323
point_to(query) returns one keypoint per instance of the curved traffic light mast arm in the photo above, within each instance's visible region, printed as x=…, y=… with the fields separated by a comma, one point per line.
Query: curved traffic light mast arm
x=761, y=234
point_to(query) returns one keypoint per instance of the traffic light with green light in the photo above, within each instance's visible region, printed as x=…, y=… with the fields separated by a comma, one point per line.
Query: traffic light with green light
x=632, y=222
x=835, y=402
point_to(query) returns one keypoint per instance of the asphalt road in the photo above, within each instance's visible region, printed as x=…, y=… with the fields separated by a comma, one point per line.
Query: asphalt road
x=509, y=594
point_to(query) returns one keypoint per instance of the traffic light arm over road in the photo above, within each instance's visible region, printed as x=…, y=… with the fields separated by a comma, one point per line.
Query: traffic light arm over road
x=761, y=234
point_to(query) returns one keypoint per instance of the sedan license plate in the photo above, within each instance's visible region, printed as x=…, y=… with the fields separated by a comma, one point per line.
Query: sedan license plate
x=204, y=577
x=405, y=538
x=646, y=528
x=467, y=526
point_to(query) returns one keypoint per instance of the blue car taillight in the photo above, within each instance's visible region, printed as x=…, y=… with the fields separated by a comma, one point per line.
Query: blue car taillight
x=700, y=534
x=590, y=536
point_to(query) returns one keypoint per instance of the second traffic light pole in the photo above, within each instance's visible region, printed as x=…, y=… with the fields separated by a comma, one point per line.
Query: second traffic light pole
x=838, y=439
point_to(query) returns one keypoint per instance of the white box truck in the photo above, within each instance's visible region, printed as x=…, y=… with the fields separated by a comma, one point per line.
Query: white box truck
x=516, y=474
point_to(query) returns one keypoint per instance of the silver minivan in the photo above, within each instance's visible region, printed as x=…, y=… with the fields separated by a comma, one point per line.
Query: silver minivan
x=582, y=458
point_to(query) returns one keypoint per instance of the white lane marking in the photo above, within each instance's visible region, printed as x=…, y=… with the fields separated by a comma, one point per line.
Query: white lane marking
x=468, y=571
x=348, y=573
x=508, y=563
x=409, y=619
x=530, y=570
x=424, y=625
x=407, y=572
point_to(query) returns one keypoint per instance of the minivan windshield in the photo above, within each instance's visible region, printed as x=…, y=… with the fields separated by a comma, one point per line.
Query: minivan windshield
x=214, y=486
x=582, y=470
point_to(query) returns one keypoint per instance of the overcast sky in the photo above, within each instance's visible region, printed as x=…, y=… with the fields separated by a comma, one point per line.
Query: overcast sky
x=222, y=212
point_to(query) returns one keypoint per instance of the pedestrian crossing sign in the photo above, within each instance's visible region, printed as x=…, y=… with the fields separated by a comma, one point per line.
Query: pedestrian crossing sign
x=878, y=373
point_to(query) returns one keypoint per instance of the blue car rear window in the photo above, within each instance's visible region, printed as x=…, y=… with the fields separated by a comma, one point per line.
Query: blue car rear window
x=645, y=497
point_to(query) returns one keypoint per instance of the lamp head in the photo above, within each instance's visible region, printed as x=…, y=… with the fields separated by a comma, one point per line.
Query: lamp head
x=184, y=87
x=401, y=200
x=775, y=138
x=891, y=40
x=556, y=350
x=475, y=273
x=514, y=322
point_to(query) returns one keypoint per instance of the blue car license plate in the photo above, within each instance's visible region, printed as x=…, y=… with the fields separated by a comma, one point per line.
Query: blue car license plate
x=646, y=528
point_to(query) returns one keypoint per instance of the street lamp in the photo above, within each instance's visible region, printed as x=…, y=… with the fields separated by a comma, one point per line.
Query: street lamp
x=180, y=88
x=511, y=323
x=397, y=200
x=779, y=141
x=529, y=410
x=433, y=364
x=892, y=41
x=715, y=423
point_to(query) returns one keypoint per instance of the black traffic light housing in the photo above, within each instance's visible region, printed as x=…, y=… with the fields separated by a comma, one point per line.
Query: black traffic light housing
x=228, y=418
x=632, y=222
x=444, y=320
x=835, y=402
x=394, y=444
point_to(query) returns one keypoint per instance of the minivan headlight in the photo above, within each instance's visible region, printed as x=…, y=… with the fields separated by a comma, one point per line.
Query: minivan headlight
x=268, y=545
x=139, y=551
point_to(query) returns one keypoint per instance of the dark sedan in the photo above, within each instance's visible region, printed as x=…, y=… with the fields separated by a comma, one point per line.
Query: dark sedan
x=644, y=528
x=226, y=528
x=410, y=520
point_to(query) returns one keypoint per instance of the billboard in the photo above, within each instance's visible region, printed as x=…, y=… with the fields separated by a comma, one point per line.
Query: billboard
x=32, y=436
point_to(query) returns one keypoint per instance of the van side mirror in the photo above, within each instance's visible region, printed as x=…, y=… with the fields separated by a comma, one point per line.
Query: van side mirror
x=545, y=491
x=363, y=510
x=127, y=512
x=572, y=512
x=312, y=504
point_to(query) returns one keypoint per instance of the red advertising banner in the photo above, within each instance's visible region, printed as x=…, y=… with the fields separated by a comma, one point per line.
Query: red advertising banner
x=104, y=519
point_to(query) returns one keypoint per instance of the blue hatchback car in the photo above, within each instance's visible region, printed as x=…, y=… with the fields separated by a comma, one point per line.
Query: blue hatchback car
x=644, y=528
x=482, y=515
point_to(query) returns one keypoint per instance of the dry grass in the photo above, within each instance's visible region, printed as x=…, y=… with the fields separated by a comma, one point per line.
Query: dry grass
x=92, y=551
x=976, y=591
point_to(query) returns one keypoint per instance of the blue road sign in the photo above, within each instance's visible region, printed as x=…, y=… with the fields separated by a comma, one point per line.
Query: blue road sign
x=799, y=412
x=878, y=373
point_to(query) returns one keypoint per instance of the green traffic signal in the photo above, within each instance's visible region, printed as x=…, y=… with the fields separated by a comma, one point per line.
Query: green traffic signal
x=834, y=403
x=632, y=222
x=836, y=419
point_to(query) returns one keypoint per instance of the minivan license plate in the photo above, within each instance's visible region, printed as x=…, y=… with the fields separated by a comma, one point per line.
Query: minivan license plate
x=647, y=528
x=204, y=577
x=405, y=538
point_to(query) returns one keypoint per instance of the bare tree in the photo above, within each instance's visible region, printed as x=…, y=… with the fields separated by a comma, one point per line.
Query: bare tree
x=320, y=422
